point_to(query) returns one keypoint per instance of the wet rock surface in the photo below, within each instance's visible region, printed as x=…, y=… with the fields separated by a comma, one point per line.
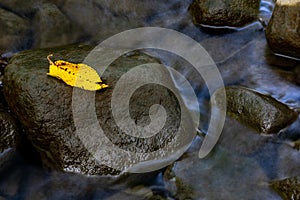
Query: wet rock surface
x=288, y=188
x=9, y=131
x=261, y=112
x=44, y=107
x=234, y=13
x=283, y=32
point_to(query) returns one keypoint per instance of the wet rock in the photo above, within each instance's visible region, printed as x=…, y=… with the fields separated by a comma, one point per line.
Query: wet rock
x=44, y=106
x=52, y=28
x=261, y=112
x=3, y=64
x=13, y=32
x=283, y=32
x=288, y=188
x=9, y=132
x=224, y=13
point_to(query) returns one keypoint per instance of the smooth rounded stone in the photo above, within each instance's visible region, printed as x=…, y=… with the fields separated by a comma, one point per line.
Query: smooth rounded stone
x=288, y=188
x=283, y=32
x=232, y=13
x=13, y=32
x=261, y=112
x=52, y=28
x=43, y=105
x=9, y=132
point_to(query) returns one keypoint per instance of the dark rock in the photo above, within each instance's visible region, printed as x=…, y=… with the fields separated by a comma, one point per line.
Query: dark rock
x=22, y=8
x=52, y=27
x=288, y=188
x=9, y=132
x=3, y=64
x=94, y=21
x=230, y=13
x=13, y=32
x=283, y=32
x=44, y=107
x=261, y=112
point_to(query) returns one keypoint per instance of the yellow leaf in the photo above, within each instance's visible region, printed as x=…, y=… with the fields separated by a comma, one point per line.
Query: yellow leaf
x=76, y=75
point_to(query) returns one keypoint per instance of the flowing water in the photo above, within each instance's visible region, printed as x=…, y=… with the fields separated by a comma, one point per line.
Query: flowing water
x=240, y=167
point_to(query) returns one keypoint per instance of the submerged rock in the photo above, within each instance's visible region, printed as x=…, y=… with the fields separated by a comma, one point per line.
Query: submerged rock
x=221, y=174
x=234, y=13
x=43, y=105
x=283, y=32
x=261, y=112
x=287, y=188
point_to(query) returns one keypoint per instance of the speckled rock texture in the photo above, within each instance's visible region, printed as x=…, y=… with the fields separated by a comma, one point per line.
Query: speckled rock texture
x=283, y=30
x=9, y=131
x=288, y=188
x=233, y=13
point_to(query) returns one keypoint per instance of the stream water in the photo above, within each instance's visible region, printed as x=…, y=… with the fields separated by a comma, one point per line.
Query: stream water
x=236, y=169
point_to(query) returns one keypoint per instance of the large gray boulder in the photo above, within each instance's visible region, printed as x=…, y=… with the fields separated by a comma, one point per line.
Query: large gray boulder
x=43, y=105
x=234, y=13
x=283, y=32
